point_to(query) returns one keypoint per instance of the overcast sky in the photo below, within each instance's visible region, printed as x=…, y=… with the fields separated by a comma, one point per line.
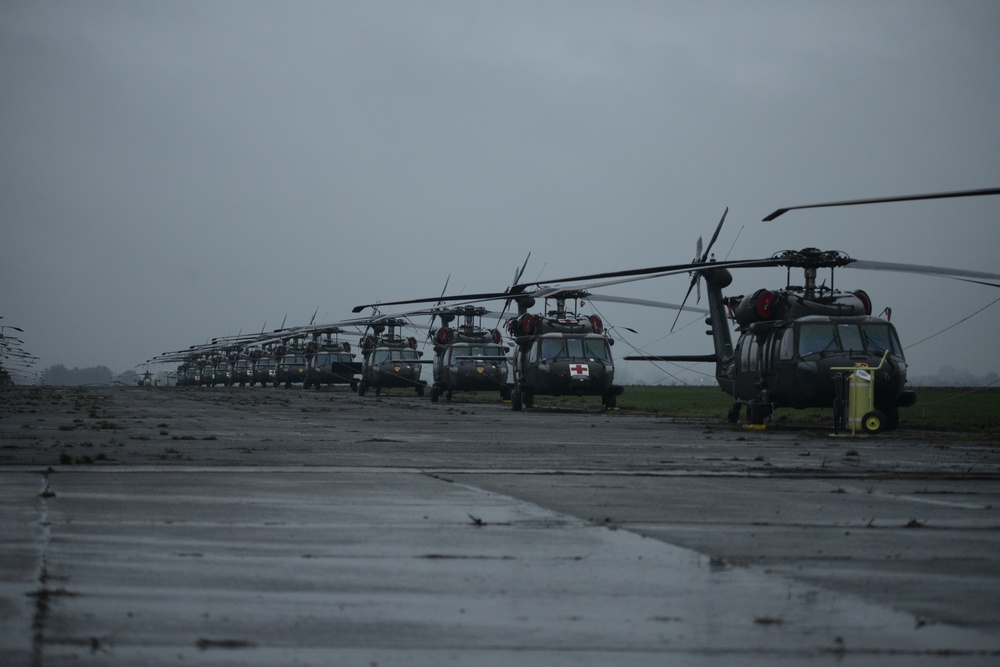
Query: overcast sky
x=173, y=171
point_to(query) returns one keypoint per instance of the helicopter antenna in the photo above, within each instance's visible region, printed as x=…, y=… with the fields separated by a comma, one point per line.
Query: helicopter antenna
x=734, y=242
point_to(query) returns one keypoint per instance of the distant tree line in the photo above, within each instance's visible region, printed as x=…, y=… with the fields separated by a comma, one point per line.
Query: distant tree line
x=76, y=377
x=949, y=376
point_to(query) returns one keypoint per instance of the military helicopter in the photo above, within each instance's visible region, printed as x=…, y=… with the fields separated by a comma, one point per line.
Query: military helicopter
x=467, y=356
x=329, y=360
x=795, y=342
x=557, y=352
x=560, y=352
x=389, y=359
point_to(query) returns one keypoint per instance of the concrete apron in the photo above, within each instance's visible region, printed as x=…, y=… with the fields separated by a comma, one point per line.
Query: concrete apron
x=258, y=566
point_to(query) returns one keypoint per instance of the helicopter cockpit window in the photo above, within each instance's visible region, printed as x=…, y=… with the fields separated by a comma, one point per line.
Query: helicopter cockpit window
x=476, y=352
x=850, y=337
x=406, y=354
x=597, y=349
x=551, y=348
x=814, y=338
x=345, y=357
x=878, y=338
x=787, y=350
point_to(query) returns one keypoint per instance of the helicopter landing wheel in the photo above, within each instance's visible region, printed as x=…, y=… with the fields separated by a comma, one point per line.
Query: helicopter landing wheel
x=873, y=422
x=757, y=412
x=734, y=414
x=891, y=413
x=516, y=400
x=420, y=390
x=610, y=400
x=361, y=388
x=435, y=393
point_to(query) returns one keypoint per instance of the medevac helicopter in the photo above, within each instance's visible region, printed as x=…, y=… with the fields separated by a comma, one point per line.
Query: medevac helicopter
x=557, y=351
x=797, y=344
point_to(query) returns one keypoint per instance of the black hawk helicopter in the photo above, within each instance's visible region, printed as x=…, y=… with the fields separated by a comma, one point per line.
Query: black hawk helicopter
x=557, y=351
x=796, y=344
x=329, y=360
x=560, y=352
x=389, y=359
x=467, y=356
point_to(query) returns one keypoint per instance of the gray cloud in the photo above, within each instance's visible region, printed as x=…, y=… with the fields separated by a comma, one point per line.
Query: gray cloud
x=173, y=171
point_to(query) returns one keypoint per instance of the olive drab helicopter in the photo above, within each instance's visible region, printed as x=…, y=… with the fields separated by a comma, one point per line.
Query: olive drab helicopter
x=556, y=351
x=797, y=344
x=560, y=352
x=330, y=360
x=467, y=356
x=388, y=359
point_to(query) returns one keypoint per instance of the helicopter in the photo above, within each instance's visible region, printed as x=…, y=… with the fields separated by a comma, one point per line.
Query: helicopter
x=389, y=359
x=467, y=356
x=330, y=361
x=557, y=352
x=795, y=343
x=560, y=352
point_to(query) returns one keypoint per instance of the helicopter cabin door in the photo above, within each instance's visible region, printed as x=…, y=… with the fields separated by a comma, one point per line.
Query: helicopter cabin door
x=747, y=367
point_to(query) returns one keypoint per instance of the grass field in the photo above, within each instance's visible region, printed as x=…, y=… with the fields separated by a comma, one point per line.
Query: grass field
x=975, y=411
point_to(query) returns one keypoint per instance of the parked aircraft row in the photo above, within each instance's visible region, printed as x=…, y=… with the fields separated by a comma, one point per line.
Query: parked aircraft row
x=798, y=346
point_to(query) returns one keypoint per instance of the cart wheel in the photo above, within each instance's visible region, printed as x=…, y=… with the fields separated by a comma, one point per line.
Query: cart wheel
x=873, y=421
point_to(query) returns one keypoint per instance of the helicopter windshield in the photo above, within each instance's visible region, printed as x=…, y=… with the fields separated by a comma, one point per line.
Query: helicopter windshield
x=865, y=337
x=574, y=348
x=478, y=351
x=382, y=356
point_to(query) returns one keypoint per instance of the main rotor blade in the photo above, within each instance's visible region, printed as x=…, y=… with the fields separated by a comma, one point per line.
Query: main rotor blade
x=630, y=275
x=881, y=200
x=645, y=302
x=715, y=236
x=981, y=277
x=694, y=281
x=443, y=290
x=520, y=272
x=485, y=296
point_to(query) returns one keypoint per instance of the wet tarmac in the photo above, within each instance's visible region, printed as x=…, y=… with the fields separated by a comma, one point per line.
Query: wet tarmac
x=270, y=526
